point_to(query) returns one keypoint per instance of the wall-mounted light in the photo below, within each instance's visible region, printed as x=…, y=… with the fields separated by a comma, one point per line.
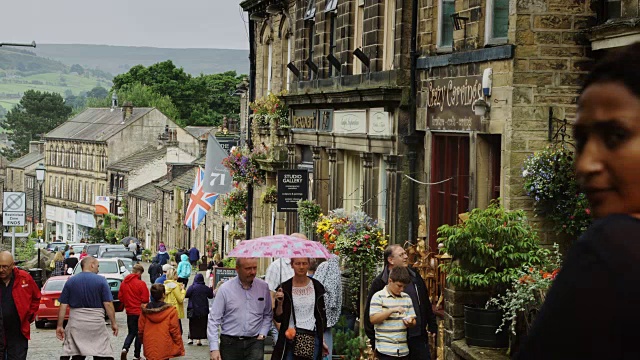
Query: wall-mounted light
x=257, y=16
x=293, y=69
x=334, y=62
x=312, y=66
x=362, y=57
x=480, y=107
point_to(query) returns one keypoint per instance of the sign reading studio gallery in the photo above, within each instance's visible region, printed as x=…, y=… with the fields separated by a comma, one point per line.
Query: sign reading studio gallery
x=293, y=186
x=449, y=103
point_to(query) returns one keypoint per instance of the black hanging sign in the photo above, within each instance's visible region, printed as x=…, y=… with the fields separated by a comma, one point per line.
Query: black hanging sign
x=293, y=186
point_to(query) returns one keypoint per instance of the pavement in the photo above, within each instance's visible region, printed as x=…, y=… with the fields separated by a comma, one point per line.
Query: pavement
x=45, y=346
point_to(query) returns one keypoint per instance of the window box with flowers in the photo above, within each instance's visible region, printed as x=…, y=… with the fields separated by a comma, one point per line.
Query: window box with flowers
x=549, y=179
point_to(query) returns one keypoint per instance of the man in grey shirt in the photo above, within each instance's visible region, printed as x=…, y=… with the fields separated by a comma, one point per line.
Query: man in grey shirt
x=242, y=312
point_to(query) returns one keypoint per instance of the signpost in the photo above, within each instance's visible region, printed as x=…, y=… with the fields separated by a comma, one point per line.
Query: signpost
x=13, y=208
x=223, y=274
x=293, y=186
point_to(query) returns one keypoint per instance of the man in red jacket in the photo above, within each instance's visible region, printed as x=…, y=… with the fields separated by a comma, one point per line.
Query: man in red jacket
x=133, y=293
x=19, y=302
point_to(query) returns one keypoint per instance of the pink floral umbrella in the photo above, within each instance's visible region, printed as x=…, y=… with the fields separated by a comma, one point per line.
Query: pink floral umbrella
x=280, y=246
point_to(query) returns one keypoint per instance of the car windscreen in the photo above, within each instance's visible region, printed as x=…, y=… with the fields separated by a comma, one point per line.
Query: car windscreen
x=55, y=285
x=128, y=263
x=108, y=267
x=77, y=248
x=93, y=249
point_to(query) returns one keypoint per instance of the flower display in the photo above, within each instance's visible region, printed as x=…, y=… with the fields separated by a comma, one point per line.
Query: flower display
x=236, y=203
x=550, y=181
x=212, y=248
x=356, y=237
x=243, y=166
x=523, y=300
x=269, y=196
x=270, y=109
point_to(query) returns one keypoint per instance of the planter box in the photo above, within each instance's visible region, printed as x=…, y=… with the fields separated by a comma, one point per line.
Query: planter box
x=480, y=327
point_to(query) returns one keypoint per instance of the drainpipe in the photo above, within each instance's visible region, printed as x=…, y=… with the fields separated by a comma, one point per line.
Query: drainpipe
x=252, y=97
x=411, y=139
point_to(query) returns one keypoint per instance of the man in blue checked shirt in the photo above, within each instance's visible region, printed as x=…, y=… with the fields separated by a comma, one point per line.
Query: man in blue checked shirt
x=242, y=311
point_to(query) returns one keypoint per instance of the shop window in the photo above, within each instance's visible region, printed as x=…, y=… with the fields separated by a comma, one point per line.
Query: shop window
x=389, y=34
x=446, y=8
x=497, y=23
x=450, y=169
x=352, y=189
x=613, y=9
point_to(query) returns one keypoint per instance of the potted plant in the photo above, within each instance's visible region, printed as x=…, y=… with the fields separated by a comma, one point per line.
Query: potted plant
x=346, y=344
x=236, y=203
x=489, y=249
x=309, y=212
x=521, y=303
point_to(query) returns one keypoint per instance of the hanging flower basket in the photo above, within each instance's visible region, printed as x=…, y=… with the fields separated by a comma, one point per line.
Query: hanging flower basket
x=269, y=196
x=236, y=203
x=549, y=179
x=243, y=166
x=271, y=110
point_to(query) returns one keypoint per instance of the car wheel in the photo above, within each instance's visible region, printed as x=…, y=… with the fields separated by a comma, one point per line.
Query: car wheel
x=40, y=324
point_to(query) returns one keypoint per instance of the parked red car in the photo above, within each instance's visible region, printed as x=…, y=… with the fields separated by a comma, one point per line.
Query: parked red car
x=49, y=304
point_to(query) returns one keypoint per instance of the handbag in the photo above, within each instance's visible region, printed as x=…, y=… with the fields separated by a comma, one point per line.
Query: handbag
x=304, y=342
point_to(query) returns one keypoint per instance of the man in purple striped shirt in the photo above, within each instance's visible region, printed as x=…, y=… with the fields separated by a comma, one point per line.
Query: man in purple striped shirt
x=240, y=316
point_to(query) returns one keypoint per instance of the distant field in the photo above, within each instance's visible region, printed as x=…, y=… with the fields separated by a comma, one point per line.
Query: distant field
x=12, y=88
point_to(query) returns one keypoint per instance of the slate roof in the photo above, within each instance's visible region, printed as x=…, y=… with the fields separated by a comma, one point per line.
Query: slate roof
x=147, y=191
x=95, y=124
x=199, y=131
x=138, y=159
x=183, y=181
x=26, y=160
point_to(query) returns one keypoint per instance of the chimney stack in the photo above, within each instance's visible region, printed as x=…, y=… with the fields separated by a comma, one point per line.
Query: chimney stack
x=127, y=111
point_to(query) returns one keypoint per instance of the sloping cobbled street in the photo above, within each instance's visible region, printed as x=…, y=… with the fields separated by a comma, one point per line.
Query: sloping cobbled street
x=45, y=346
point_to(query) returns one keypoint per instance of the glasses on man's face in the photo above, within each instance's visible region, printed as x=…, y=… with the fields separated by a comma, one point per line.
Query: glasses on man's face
x=5, y=267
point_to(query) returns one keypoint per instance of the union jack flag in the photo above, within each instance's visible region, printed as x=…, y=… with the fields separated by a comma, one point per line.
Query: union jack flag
x=199, y=203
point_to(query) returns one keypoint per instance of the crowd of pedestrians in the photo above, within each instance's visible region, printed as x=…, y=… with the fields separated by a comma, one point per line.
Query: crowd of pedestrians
x=298, y=304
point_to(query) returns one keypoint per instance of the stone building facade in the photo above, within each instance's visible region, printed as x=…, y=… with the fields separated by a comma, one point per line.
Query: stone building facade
x=535, y=54
x=79, y=152
x=350, y=115
x=21, y=177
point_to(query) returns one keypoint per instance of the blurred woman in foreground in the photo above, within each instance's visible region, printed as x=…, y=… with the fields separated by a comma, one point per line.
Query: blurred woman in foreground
x=592, y=311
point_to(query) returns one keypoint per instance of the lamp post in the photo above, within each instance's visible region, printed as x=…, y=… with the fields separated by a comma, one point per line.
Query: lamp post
x=40, y=172
x=187, y=195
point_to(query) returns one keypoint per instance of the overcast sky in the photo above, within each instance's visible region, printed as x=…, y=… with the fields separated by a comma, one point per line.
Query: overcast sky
x=155, y=23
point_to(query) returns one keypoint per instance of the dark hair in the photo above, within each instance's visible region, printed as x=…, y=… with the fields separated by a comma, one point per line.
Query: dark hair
x=157, y=291
x=314, y=263
x=388, y=252
x=618, y=66
x=400, y=274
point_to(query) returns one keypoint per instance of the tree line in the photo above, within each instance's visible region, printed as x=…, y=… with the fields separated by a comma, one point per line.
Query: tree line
x=202, y=100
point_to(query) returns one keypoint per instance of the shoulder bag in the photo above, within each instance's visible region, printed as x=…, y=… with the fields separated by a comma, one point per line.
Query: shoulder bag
x=304, y=341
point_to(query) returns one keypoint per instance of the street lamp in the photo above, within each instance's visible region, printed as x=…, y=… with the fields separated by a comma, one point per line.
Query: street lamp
x=187, y=194
x=40, y=171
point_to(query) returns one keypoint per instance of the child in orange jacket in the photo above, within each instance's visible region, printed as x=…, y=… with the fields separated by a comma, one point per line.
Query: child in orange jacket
x=159, y=321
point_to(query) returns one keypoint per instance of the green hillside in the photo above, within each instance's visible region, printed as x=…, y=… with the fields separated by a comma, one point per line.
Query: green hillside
x=119, y=59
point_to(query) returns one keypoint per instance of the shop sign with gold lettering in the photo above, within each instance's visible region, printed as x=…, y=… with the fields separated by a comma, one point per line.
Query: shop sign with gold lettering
x=449, y=103
x=304, y=120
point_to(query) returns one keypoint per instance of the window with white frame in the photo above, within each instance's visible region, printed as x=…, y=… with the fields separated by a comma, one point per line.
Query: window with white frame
x=149, y=210
x=446, y=8
x=352, y=195
x=497, y=23
x=333, y=38
x=269, y=66
x=61, y=188
x=289, y=42
x=389, y=34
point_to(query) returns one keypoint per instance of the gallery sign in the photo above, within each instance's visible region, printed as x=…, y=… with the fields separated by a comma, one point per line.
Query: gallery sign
x=293, y=186
x=320, y=120
x=449, y=103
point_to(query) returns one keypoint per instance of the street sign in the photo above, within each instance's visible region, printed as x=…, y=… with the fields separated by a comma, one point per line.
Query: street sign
x=8, y=234
x=14, y=202
x=13, y=218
